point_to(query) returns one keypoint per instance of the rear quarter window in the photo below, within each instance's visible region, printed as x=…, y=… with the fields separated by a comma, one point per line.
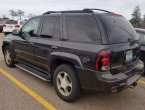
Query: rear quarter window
x=83, y=28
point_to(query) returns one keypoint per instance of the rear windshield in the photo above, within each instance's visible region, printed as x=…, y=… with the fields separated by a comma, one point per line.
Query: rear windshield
x=11, y=22
x=119, y=29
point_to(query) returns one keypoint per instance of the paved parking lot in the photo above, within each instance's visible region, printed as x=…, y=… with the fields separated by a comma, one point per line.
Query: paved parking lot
x=42, y=94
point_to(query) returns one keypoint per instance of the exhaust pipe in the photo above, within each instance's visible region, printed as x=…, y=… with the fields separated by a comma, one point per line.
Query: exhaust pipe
x=133, y=85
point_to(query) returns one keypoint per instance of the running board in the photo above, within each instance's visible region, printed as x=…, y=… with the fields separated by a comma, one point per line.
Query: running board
x=35, y=72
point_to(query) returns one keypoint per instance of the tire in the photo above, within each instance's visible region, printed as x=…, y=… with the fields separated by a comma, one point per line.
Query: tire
x=65, y=76
x=8, y=57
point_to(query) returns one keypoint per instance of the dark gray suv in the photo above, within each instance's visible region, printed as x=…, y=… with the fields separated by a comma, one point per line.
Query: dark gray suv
x=77, y=50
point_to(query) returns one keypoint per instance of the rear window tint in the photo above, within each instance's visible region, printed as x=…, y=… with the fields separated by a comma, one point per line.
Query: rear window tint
x=119, y=29
x=11, y=22
x=83, y=28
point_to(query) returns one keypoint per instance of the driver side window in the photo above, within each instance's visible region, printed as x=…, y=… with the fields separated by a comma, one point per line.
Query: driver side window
x=30, y=28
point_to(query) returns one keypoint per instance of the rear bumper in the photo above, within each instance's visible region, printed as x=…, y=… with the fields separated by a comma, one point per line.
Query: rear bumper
x=106, y=82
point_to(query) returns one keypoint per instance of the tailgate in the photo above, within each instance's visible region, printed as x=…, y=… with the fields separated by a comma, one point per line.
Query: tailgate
x=124, y=57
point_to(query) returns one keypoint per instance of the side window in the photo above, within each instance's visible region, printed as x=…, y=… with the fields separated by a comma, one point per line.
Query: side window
x=83, y=28
x=51, y=27
x=30, y=28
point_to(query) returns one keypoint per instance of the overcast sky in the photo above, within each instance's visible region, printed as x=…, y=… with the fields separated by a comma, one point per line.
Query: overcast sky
x=124, y=7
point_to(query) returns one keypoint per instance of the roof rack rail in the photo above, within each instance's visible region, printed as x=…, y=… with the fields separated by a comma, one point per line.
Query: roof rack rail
x=91, y=9
x=87, y=10
x=49, y=12
x=70, y=11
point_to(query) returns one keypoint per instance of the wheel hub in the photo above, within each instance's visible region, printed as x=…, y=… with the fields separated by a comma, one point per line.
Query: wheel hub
x=7, y=57
x=64, y=83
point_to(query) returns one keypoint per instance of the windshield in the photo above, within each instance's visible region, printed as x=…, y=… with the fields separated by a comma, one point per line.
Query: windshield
x=119, y=29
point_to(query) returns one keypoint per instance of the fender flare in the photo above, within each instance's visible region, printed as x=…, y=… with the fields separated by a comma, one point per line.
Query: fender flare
x=72, y=58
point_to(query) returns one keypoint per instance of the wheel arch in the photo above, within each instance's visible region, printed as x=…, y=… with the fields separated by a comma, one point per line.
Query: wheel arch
x=5, y=44
x=58, y=58
x=57, y=62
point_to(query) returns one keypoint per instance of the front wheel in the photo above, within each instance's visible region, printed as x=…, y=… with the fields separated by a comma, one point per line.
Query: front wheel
x=8, y=57
x=66, y=83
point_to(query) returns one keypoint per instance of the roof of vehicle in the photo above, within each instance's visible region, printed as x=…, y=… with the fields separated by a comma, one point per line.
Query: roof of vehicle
x=87, y=10
x=140, y=30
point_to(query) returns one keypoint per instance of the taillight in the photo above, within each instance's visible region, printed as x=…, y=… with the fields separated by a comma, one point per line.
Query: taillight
x=4, y=25
x=17, y=26
x=103, y=61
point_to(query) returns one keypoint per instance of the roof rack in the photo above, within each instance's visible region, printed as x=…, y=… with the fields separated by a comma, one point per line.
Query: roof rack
x=91, y=9
x=71, y=11
x=87, y=10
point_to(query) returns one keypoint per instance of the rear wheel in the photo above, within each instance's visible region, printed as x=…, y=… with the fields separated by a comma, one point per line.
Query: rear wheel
x=9, y=60
x=66, y=83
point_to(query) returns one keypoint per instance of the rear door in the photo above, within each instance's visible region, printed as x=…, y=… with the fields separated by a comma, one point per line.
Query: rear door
x=123, y=42
x=48, y=40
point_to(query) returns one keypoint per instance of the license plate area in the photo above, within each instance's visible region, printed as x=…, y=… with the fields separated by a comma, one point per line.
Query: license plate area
x=129, y=56
x=10, y=26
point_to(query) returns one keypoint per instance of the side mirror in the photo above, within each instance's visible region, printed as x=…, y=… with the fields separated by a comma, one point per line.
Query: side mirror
x=16, y=32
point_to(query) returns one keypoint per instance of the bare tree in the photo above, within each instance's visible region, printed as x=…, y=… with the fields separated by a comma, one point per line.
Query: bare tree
x=143, y=21
x=20, y=13
x=31, y=15
x=13, y=13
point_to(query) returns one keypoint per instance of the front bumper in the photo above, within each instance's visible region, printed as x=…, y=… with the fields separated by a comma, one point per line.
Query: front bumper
x=106, y=82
